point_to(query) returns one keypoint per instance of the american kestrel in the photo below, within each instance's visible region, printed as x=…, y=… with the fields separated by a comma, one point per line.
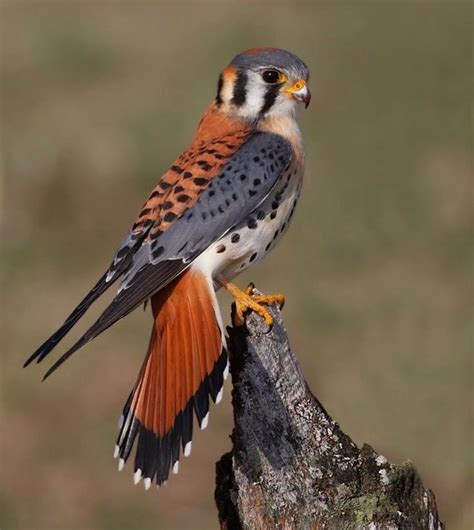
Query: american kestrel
x=222, y=206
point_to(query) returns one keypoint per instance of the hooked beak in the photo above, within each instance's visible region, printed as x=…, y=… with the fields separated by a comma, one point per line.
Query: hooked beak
x=300, y=92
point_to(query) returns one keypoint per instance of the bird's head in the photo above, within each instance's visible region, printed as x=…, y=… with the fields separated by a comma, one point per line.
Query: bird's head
x=263, y=82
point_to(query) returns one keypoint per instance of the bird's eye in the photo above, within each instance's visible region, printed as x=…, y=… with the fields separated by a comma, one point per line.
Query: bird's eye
x=271, y=76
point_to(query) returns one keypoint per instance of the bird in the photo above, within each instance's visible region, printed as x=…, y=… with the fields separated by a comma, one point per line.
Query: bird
x=222, y=205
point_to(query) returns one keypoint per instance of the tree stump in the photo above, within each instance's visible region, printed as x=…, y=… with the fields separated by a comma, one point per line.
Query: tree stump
x=291, y=466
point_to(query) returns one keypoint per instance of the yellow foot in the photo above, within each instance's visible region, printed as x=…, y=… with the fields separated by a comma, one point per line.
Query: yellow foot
x=247, y=301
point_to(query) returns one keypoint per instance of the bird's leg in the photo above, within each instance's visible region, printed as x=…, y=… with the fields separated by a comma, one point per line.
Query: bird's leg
x=246, y=300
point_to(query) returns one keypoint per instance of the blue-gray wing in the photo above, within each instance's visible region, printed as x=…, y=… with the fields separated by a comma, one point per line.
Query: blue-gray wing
x=243, y=184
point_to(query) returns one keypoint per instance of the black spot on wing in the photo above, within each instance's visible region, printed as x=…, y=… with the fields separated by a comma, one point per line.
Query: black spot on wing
x=230, y=196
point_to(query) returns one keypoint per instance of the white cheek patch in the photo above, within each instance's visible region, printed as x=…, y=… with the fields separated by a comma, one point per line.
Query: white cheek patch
x=283, y=106
x=255, y=96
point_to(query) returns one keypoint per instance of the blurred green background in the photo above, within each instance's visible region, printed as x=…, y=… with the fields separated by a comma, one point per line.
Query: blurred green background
x=97, y=99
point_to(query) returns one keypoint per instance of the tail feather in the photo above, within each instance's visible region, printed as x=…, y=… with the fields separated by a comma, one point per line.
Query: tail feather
x=184, y=367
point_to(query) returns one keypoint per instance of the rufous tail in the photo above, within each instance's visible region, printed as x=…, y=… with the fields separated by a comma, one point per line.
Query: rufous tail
x=186, y=364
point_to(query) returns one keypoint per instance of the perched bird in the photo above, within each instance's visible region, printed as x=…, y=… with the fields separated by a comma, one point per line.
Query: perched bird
x=222, y=206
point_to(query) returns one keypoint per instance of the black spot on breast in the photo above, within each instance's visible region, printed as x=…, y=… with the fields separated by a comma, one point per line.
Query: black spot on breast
x=268, y=246
x=155, y=194
x=183, y=198
x=243, y=176
x=261, y=215
x=187, y=174
x=256, y=159
x=178, y=189
x=235, y=238
x=211, y=193
x=253, y=256
x=167, y=205
x=273, y=215
x=204, y=216
x=252, y=193
x=220, y=249
x=257, y=182
x=177, y=169
x=275, y=205
x=252, y=223
x=234, y=196
x=145, y=211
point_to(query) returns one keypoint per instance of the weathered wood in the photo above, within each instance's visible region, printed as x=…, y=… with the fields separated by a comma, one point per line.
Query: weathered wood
x=291, y=466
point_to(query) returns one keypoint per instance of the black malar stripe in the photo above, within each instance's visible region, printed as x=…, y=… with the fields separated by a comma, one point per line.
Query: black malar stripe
x=269, y=98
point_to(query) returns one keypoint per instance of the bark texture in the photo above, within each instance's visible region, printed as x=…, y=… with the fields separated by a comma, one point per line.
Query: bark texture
x=291, y=466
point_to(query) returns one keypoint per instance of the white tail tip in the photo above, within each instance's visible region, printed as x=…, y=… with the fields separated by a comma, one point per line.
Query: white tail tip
x=120, y=422
x=176, y=467
x=137, y=476
x=147, y=483
x=121, y=464
x=205, y=421
x=226, y=370
x=187, y=449
x=116, y=451
x=219, y=395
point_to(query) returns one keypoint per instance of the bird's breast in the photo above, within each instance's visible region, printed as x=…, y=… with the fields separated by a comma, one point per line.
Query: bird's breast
x=257, y=234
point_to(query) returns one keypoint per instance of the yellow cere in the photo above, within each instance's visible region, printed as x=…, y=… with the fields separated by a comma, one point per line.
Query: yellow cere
x=298, y=85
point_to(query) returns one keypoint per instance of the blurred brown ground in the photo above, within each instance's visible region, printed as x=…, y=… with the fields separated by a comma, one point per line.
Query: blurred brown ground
x=97, y=98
